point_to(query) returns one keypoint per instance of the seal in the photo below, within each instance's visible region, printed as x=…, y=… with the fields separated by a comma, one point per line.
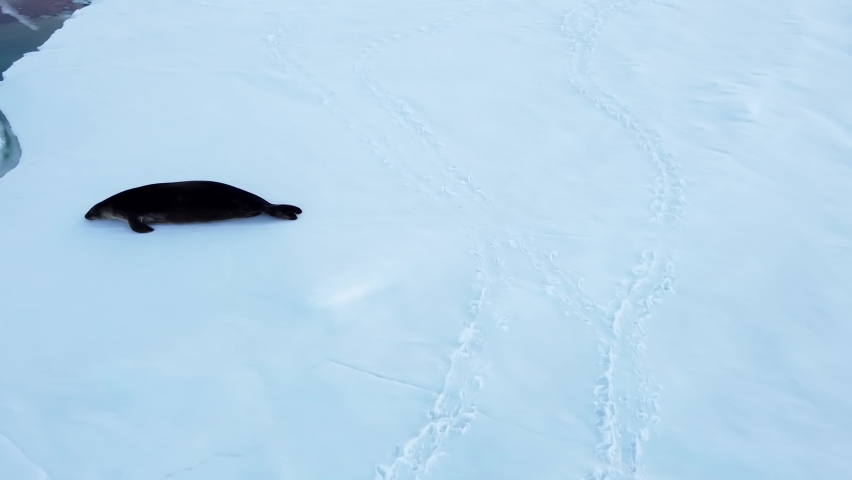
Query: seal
x=193, y=201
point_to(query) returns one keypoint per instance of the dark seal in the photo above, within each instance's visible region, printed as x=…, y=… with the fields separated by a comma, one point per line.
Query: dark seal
x=185, y=202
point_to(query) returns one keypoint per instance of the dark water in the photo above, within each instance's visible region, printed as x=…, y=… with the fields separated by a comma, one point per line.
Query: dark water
x=16, y=40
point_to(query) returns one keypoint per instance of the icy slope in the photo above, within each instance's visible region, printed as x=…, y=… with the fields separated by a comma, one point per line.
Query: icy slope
x=541, y=240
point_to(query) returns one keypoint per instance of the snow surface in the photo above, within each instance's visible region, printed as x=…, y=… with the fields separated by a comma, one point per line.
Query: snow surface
x=552, y=239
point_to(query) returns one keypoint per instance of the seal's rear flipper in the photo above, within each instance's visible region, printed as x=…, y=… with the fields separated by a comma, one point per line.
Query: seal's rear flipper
x=138, y=226
x=285, y=212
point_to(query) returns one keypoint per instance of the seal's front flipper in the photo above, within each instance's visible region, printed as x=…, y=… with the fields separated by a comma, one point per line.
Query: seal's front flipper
x=138, y=226
x=285, y=212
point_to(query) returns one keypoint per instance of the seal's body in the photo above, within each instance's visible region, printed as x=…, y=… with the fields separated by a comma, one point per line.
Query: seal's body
x=185, y=202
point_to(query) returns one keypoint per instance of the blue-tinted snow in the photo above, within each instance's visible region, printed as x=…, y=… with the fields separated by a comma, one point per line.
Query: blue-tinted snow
x=542, y=240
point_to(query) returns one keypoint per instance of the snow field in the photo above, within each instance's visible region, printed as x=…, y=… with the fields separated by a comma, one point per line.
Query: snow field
x=558, y=239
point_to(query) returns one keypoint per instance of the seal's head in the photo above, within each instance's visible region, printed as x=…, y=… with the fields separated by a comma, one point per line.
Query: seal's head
x=94, y=213
x=100, y=212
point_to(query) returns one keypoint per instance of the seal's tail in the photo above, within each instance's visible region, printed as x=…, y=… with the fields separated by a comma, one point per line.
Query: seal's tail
x=286, y=212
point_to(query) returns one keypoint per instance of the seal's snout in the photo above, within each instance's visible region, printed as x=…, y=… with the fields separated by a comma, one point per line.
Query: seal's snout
x=90, y=215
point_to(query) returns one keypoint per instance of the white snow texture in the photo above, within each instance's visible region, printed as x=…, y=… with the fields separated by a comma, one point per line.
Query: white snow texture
x=543, y=239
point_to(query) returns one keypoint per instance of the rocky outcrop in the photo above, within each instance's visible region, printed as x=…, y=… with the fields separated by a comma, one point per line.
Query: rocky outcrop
x=41, y=8
x=10, y=149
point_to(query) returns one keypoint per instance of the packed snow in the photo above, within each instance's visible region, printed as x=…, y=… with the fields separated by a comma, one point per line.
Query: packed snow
x=553, y=239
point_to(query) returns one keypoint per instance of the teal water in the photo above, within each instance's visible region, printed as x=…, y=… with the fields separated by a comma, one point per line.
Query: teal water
x=17, y=40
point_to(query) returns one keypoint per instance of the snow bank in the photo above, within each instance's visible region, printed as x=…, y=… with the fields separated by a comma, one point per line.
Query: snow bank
x=538, y=241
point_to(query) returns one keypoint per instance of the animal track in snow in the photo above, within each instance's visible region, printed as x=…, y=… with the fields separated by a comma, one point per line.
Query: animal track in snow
x=452, y=410
x=625, y=394
x=460, y=183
